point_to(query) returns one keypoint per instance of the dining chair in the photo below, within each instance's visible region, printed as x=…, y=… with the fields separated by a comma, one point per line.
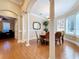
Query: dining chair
x=37, y=36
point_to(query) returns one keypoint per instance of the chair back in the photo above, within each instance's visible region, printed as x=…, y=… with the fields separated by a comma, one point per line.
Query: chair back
x=58, y=35
x=47, y=35
x=36, y=35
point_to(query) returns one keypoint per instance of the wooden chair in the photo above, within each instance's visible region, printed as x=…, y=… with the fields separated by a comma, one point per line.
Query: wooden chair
x=62, y=37
x=47, y=38
x=58, y=37
x=37, y=36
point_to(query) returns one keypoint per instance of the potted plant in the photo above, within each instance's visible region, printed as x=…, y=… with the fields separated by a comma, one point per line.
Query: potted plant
x=45, y=23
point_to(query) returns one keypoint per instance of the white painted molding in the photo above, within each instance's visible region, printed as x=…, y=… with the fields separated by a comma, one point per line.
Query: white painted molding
x=21, y=41
x=18, y=41
x=74, y=42
x=48, y=57
x=28, y=44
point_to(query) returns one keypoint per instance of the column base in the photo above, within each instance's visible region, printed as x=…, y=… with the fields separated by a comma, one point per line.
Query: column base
x=18, y=41
x=48, y=57
x=27, y=44
x=23, y=41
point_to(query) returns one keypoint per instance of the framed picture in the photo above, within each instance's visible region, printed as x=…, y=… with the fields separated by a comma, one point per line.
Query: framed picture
x=36, y=25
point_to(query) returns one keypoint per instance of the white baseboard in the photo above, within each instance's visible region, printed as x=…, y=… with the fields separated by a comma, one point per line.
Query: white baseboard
x=74, y=42
x=21, y=41
x=48, y=57
x=51, y=58
x=27, y=44
x=18, y=41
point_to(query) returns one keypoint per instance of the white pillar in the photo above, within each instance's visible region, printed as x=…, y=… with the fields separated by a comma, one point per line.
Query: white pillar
x=52, y=30
x=25, y=34
x=1, y=26
x=19, y=26
x=16, y=29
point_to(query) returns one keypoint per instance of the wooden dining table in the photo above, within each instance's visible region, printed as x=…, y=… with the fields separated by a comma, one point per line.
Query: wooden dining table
x=44, y=38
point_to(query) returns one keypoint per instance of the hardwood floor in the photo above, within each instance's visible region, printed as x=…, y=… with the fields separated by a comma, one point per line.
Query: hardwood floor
x=9, y=49
x=67, y=51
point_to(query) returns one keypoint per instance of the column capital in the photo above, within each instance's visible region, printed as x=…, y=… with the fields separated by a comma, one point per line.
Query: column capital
x=24, y=12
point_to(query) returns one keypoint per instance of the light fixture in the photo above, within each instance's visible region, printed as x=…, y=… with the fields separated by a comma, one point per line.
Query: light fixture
x=48, y=19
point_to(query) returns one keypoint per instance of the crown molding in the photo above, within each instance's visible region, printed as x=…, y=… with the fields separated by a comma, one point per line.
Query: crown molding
x=20, y=3
x=9, y=11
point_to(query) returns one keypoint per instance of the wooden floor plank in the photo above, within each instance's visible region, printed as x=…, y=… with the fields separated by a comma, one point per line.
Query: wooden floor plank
x=67, y=51
x=9, y=49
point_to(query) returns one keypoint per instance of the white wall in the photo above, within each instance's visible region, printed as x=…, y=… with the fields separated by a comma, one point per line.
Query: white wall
x=34, y=18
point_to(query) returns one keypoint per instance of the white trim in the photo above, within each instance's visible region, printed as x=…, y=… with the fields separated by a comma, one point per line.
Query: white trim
x=77, y=36
x=74, y=42
x=21, y=41
x=18, y=41
x=70, y=34
x=28, y=39
x=27, y=44
x=48, y=57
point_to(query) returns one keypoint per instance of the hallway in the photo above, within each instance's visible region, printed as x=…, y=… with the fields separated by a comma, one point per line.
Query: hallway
x=9, y=49
x=67, y=51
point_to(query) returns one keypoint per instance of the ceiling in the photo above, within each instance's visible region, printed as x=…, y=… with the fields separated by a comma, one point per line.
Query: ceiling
x=42, y=7
x=13, y=8
x=18, y=2
x=10, y=8
x=64, y=6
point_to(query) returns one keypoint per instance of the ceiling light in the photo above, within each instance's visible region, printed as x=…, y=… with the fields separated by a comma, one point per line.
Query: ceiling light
x=49, y=19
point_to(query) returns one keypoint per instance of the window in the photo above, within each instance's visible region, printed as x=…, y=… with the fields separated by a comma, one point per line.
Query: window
x=60, y=25
x=6, y=27
x=70, y=24
x=77, y=24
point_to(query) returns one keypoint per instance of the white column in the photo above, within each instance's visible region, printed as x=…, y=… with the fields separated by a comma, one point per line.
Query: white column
x=25, y=34
x=16, y=29
x=55, y=20
x=19, y=26
x=52, y=30
x=1, y=26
